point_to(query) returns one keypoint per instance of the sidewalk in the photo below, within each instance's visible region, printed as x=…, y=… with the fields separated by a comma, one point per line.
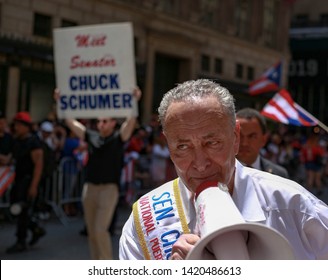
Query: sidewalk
x=62, y=242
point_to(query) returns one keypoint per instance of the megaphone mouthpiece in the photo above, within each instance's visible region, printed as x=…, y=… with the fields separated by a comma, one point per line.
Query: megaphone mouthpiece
x=210, y=184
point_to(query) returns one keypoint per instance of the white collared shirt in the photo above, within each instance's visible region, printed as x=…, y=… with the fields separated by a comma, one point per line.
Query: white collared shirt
x=256, y=164
x=285, y=206
x=264, y=198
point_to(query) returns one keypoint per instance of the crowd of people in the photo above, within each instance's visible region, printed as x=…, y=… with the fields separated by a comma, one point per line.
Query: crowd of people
x=299, y=154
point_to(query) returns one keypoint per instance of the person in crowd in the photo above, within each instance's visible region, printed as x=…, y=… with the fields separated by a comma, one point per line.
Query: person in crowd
x=253, y=137
x=103, y=173
x=312, y=156
x=6, y=141
x=134, y=149
x=273, y=147
x=7, y=173
x=203, y=136
x=50, y=145
x=159, y=160
x=28, y=161
x=71, y=164
x=46, y=134
x=138, y=142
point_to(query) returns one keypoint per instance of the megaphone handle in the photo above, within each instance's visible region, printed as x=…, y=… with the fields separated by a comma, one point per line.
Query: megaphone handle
x=229, y=246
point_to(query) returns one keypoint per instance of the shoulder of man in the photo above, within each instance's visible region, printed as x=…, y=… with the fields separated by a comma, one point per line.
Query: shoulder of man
x=273, y=168
x=33, y=142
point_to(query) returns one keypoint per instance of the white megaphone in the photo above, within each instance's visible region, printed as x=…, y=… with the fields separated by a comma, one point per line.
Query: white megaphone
x=225, y=235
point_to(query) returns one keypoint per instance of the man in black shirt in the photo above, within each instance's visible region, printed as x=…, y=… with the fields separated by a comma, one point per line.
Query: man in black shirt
x=103, y=172
x=28, y=161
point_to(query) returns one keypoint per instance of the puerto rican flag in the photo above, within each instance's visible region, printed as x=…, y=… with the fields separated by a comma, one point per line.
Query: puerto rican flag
x=7, y=176
x=282, y=108
x=268, y=82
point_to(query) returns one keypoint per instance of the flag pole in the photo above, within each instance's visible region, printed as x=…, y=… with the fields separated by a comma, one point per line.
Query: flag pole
x=321, y=124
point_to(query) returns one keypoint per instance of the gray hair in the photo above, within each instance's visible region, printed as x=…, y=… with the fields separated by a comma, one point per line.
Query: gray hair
x=187, y=91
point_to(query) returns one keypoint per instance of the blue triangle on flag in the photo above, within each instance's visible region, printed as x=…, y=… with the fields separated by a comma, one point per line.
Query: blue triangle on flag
x=274, y=73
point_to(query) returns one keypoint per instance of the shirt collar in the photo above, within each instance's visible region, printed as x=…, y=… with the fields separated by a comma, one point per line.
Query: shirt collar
x=256, y=164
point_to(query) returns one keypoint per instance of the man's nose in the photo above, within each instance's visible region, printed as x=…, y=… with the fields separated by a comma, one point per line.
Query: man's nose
x=201, y=160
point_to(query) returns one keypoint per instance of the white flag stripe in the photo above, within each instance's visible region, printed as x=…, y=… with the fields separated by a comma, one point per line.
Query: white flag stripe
x=261, y=84
x=274, y=111
x=286, y=106
x=2, y=171
x=4, y=179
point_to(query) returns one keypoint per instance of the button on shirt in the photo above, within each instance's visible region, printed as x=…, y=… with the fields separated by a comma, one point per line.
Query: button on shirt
x=264, y=198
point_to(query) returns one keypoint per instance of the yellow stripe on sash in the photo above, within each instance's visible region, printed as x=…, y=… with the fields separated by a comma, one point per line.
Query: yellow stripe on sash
x=139, y=231
x=178, y=200
x=180, y=215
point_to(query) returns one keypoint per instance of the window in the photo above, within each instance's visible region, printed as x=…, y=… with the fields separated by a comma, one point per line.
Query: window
x=250, y=73
x=205, y=63
x=239, y=71
x=218, y=66
x=300, y=20
x=270, y=22
x=42, y=25
x=208, y=12
x=167, y=6
x=242, y=18
x=324, y=19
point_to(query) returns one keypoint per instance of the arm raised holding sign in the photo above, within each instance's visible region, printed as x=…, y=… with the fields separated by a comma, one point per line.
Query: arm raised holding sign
x=128, y=126
x=103, y=174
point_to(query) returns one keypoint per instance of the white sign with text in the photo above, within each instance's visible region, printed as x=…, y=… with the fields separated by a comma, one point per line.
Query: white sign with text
x=95, y=71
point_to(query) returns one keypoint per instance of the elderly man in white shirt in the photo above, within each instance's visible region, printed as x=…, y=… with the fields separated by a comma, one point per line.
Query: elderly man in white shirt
x=198, y=119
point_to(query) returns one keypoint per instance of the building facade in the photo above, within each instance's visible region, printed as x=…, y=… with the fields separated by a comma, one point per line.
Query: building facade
x=231, y=41
x=308, y=71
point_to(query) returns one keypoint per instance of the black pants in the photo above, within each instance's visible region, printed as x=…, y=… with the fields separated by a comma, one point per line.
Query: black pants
x=19, y=194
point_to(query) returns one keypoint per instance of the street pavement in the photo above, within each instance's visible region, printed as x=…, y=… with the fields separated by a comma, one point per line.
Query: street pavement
x=63, y=241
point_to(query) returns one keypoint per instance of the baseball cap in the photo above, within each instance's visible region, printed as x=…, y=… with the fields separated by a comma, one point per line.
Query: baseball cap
x=23, y=117
x=47, y=127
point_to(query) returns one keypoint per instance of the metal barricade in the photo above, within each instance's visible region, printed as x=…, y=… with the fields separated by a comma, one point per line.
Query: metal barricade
x=70, y=180
x=63, y=187
x=51, y=196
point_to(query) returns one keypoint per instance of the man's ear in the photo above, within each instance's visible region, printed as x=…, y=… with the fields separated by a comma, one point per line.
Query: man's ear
x=237, y=137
